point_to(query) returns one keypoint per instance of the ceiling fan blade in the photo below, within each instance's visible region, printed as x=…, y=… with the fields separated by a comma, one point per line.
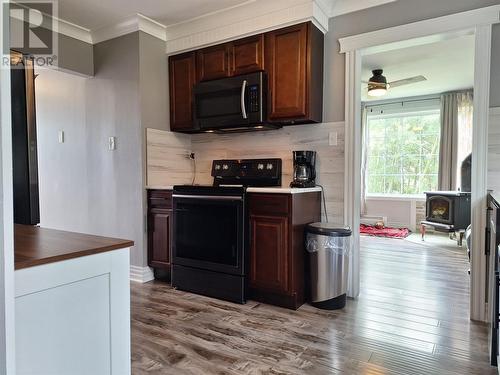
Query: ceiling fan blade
x=407, y=81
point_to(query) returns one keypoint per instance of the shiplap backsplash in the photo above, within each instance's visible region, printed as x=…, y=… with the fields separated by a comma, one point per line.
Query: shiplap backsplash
x=168, y=165
x=167, y=158
x=494, y=149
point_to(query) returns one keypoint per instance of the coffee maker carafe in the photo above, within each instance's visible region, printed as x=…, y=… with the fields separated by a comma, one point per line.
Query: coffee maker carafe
x=304, y=169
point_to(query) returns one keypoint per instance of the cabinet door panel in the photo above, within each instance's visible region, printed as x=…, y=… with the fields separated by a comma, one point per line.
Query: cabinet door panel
x=213, y=62
x=159, y=233
x=269, y=253
x=286, y=63
x=247, y=55
x=182, y=75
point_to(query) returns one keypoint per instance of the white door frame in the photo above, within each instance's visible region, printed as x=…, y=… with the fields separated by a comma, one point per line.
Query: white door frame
x=477, y=21
x=7, y=310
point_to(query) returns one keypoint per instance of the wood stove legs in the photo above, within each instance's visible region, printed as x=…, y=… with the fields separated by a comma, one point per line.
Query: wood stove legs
x=458, y=235
x=460, y=238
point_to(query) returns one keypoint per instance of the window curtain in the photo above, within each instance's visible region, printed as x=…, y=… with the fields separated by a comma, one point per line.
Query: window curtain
x=456, y=107
x=364, y=160
x=465, y=121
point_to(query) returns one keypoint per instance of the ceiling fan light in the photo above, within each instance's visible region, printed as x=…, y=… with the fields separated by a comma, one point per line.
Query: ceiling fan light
x=377, y=85
x=377, y=91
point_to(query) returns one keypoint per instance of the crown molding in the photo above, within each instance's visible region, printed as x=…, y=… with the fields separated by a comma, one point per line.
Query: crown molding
x=340, y=7
x=421, y=29
x=334, y=8
x=60, y=26
x=327, y=6
x=242, y=21
x=136, y=22
x=74, y=31
x=250, y=17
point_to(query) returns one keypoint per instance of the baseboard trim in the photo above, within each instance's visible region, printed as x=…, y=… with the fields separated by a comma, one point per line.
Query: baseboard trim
x=141, y=274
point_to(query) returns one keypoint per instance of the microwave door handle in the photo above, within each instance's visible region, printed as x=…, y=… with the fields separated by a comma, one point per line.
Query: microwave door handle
x=243, y=92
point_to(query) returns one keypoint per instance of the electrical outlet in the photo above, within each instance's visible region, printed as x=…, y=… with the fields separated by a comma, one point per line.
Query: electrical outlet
x=332, y=139
x=112, y=143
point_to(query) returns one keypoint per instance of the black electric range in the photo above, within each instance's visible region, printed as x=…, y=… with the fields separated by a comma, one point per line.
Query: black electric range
x=210, y=228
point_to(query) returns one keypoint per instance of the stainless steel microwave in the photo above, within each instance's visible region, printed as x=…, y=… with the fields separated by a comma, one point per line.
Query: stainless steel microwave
x=231, y=104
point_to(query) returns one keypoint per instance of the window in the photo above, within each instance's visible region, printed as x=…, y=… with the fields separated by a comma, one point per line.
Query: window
x=402, y=151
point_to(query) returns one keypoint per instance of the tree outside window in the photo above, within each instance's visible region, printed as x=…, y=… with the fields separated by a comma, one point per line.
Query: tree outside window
x=403, y=152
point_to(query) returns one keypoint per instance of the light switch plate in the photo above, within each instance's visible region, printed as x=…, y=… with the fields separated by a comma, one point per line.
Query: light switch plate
x=332, y=139
x=112, y=143
x=60, y=136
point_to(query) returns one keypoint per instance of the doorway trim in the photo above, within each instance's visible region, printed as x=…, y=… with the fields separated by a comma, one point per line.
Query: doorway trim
x=7, y=301
x=479, y=22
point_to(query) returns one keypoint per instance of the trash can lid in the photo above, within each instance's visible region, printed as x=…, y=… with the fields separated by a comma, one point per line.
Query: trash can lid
x=328, y=229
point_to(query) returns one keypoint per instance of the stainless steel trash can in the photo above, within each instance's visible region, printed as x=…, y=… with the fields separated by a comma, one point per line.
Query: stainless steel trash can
x=328, y=247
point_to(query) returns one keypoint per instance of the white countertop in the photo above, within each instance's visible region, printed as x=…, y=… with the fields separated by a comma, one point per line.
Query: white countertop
x=282, y=190
x=159, y=187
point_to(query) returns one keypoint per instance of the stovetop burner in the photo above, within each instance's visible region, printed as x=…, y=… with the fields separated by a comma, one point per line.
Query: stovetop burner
x=234, y=176
x=247, y=172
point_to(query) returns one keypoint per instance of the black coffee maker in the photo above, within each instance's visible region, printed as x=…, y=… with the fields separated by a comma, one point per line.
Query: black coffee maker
x=304, y=169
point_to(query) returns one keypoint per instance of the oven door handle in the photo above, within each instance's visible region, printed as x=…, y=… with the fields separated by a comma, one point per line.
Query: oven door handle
x=209, y=197
x=242, y=103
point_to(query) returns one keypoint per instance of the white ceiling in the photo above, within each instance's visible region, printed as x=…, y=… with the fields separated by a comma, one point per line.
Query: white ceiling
x=93, y=14
x=448, y=65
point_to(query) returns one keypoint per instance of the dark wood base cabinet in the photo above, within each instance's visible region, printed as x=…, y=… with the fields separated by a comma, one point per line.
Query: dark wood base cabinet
x=160, y=232
x=277, y=269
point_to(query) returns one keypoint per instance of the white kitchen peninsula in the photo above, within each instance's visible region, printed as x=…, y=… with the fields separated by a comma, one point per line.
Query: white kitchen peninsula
x=72, y=303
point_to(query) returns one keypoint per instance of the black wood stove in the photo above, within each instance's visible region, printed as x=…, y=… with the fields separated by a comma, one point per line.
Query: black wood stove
x=447, y=211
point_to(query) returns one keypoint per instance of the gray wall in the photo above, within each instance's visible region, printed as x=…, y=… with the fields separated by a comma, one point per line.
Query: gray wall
x=114, y=180
x=389, y=15
x=153, y=82
x=63, y=169
x=85, y=187
x=73, y=55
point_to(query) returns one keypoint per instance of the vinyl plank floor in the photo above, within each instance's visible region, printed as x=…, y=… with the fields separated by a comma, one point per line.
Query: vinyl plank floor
x=411, y=318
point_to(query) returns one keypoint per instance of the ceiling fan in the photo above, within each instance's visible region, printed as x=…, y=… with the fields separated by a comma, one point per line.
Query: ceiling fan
x=377, y=85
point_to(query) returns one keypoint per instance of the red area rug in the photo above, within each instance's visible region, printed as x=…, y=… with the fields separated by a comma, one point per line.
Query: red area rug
x=371, y=230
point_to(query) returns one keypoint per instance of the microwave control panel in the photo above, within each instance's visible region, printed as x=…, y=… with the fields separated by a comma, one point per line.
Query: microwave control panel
x=253, y=98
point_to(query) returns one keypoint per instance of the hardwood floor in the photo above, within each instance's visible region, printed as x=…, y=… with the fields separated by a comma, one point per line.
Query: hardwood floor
x=411, y=318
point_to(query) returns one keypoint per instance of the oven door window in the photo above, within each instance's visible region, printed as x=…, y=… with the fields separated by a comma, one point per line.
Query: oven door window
x=208, y=233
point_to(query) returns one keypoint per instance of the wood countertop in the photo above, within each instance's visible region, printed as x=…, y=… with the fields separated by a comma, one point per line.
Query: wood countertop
x=34, y=246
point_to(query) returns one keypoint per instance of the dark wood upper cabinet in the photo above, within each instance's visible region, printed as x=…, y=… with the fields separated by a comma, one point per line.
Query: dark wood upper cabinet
x=213, y=62
x=292, y=58
x=294, y=63
x=182, y=76
x=247, y=55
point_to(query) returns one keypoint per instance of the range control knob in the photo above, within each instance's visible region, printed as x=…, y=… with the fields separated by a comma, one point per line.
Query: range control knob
x=269, y=166
x=225, y=167
x=260, y=166
x=217, y=167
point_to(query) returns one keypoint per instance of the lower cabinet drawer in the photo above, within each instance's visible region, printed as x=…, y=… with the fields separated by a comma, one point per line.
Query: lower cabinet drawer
x=160, y=198
x=270, y=204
